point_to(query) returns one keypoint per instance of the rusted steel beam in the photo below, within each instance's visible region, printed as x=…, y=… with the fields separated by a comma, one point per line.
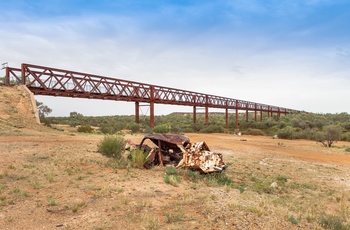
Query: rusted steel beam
x=49, y=81
x=151, y=109
x=194, y=114
x=255, y=112
x=12, y=76
x=206, y=115
x=206, y=109
x=116, y=89
x=137, y=112
x=7, y=76
x=226, y=118
x=237, y=125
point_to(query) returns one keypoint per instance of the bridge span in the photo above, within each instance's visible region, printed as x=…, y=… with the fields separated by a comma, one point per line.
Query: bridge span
x=49, y=81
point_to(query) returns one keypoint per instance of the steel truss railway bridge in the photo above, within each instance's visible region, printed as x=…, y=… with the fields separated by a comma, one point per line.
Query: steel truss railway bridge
x=49, y=81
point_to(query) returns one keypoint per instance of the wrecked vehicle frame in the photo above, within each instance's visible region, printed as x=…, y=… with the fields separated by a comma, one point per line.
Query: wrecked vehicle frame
x=177, y=150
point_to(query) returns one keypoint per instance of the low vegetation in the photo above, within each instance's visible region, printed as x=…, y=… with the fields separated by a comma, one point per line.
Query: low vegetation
x=323, y=128
x=111, y=146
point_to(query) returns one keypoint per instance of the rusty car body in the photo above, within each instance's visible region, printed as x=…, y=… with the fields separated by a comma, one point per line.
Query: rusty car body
x=177, y=150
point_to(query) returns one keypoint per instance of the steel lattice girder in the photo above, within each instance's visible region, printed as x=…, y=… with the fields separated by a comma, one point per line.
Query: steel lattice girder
x=59, y=82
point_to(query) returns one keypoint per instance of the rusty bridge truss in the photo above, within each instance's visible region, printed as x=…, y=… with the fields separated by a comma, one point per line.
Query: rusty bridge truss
x=49, y=81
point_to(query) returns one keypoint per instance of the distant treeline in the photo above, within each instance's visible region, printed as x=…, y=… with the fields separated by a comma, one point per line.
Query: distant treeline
x=292, y=126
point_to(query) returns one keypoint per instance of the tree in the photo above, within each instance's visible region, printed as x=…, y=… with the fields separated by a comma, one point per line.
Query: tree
x=330, y=134
x=43, y=110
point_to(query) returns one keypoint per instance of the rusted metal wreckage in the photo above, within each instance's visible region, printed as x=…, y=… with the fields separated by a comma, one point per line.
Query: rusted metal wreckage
x=177, y=150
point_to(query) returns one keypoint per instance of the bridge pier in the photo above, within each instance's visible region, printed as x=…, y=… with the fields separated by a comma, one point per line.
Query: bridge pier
x=151, y=114
x=137, y=112
x=226, y=117
x=255, y=115
x=194, y=114
x=206, y=115
x=7, y=76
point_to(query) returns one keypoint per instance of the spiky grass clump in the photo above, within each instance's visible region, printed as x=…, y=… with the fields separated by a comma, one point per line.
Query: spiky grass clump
x=138, y=158
x=172, y=176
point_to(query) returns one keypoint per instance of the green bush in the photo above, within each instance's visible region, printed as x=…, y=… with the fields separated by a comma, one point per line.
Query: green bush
x=171, y=170
x=213, y=129
x=345, y=137
x=333, y=222
x=254, y=132
x=286, y=133
x=164, y=128
x=106, y=129
x=111, y=146
x=85, y=129
x=135, y=128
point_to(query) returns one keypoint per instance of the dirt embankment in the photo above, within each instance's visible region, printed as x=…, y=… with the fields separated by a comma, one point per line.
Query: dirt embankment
x=17, y=109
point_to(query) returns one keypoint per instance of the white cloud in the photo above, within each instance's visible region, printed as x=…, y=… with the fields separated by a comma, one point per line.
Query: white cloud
x=243, y=64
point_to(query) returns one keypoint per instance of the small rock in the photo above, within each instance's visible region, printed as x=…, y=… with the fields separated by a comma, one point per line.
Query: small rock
x=274, y=185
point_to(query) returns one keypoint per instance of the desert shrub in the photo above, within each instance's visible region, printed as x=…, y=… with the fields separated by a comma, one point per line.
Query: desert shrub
x=213, y=129
x=191, y=175
x=254, y=132
x=138, y=158
x=116, y=164
x=333, y=222
x=164, y=128
x=171, y=170
x=305, y=134
x=85, y=129
x=270, y=122
x=286, y=133
x=282, y=125
x=217, y=179
x=134, y=127
x=329, y=135
x=106, y=129
x=346, y=126
x=111, y=146
x=176, y=129
x=293, y=220
x=345, y=137
x=172, y=176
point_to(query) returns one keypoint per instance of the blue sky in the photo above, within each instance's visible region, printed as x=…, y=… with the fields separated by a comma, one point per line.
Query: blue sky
x=291, y=53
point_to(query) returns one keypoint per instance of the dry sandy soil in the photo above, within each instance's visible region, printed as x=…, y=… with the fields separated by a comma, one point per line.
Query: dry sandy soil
x=53, y=179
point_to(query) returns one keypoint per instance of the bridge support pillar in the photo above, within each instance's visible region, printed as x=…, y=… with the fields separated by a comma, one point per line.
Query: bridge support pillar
x=206, y=115
x=194, y=114
x=151, y=109
x=226, y=117
x=237, y=125
x=7, y=76
x=23, y=70
x=261, y=115
x=137, y=112
x=255, y=115
x=206, y=110
x=246, y=115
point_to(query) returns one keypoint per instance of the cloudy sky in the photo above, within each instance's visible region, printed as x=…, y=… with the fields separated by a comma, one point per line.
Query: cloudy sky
x=288, y=53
